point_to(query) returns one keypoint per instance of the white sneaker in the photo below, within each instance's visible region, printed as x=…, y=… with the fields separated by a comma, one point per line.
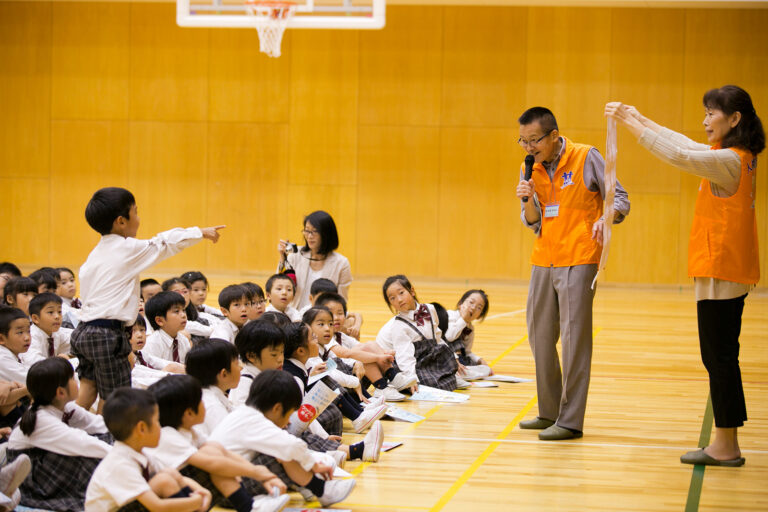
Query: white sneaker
x=375, y=401
x=372, y=443
x=476, y=372
x=14, y=473
x=367, y=417
x=389, y=394
x=340, y=458
x=265, y=503
x=403, y=381
x=462, y=384
x=336, y=491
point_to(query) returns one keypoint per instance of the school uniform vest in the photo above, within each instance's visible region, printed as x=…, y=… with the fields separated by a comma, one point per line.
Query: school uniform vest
x=723, y=242
x=566, y=240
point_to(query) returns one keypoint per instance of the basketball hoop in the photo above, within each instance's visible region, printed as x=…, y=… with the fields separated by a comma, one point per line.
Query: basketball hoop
x=270, y=19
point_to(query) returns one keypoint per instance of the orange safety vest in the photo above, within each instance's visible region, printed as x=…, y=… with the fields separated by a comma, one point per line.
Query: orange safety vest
x=723, y=241
x=566, y=240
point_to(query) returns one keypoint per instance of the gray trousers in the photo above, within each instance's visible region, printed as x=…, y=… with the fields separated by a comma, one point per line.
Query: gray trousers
x=560, y=305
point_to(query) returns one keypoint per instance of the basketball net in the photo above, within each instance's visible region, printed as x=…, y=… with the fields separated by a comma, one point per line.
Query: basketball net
x=610, y=191
x=270, y=19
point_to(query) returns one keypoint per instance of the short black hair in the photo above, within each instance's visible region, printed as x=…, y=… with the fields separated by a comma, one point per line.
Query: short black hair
x=140, y=322
x=206, y=360
x=193, y=276
x=278, y=277
x=323, y=285
x=59, y=270
x=256, y=336
x=310, y=314
x=175, y=394
x=482, y=294
x=7, y=267
x=400, y=279
x=125, y=408
x=276, y=317
x=106, y=205
x=295, y=337
x=543, y=115
x=46, y=276
x=41, y=300
x=230, y=294
x=272, y=387
x=144, y=283
x=253, y=290
x=327, y=297
x=160, y=304
x=17, y=285
x=326, y=228
x=442, y=318
x=7, y=316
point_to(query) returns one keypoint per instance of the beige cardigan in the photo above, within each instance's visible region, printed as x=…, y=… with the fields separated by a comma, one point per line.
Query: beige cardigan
x=336, y=268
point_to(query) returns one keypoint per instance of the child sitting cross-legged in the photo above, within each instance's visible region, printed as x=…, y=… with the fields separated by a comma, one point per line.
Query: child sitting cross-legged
x=49, y=338
x=180, y=400
x=127, y=479
x=234, y=304
x=256, y=431
x=165, y=312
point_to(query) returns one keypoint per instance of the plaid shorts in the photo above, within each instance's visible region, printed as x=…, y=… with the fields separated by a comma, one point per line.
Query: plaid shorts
x=272, y=464
x=319, y=444
x=331, y=420
x=102, y=353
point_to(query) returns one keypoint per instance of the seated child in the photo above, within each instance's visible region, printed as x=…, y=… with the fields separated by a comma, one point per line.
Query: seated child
x=148, y=288
x=11, y=407
x=49, y=339
x=47, y=279
x=198, y=293
x=70, y=304
x=197, y=327
x=234, y=304
x=260, y=345
x=165, y=312
x=146, y=368
x=7, y=272
x=14, y=341
x=256, y=431
x=64, y=441
x=352, y=321
x=19, y=291
x=415, y=337
x=300, y=346
x=179, y=399
x=129, y=480
x=256, y=297
x=280, y=290
x=376, y=362
x=460, y=333
x=215, y=364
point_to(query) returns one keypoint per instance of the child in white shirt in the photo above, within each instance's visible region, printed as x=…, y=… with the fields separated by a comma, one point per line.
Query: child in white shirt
x=67, y=290
x=198, y=293
x=165, y=312
x=234, y=304
x=146, y=368
x=258, y=302
x=460, y=333
x=197, y=327
x=14, y=341
x=49, y=339
x=179, y=399
x=280, y=290
x=64, y=441
x=19, y=291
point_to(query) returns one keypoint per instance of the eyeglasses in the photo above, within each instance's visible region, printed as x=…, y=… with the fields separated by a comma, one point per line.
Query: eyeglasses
x=535, y=142
x=308, y=232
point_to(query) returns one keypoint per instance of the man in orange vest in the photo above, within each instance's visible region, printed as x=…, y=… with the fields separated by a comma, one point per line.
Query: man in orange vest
x=563, y=205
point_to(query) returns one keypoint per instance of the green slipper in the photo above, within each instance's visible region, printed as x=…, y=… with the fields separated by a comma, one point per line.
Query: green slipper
x=536, y=424
x=558, y=433
x=701, y=457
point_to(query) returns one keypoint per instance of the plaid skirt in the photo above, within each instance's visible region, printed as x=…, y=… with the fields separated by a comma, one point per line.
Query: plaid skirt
x=102, y=354
x=332, y=420
x=319, y=444
x=344, y=367
x=275, y=467
x=460, y=350
x=135, y=506
x=435, y=364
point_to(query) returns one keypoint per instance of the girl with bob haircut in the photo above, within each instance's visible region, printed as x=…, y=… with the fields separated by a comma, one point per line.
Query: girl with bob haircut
x=723, y=255
x=317, y=258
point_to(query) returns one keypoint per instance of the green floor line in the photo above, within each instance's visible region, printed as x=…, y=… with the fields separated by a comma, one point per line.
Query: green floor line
x=697, y=477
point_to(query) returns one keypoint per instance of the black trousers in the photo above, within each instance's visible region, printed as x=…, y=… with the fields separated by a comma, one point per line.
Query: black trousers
x=719, y=329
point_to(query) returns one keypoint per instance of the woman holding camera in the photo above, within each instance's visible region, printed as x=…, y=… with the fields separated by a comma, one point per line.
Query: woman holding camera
x=316, y=259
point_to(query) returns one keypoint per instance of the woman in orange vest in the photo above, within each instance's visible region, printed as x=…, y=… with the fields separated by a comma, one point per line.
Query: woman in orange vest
x=722, y=251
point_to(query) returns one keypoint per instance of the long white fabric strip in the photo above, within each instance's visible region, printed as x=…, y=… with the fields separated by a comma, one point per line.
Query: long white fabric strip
x=610, y=192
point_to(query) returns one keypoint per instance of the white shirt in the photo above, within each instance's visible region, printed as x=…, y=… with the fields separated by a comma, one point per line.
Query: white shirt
x=68, y=313
x=247, y=432
x=11, y=367
x=315, y=427
x=290, y=311
x=397, y=336
x=344, y=380
x=225, y=330
x=198, y=329
x=143, y=376
x=175, y=447
x=38, y=350
x=456, y=326
x=72, y=439
x=160, y=344
x=217, y=407
x=211, y=311
x=109, y=278
x=118, y=479
x=239, y=395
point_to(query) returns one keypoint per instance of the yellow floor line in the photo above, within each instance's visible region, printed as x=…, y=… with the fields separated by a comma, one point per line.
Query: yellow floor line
x=508, y=350
x=483, y=457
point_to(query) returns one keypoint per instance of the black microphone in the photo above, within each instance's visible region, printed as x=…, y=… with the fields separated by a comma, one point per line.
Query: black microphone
x=528, y=170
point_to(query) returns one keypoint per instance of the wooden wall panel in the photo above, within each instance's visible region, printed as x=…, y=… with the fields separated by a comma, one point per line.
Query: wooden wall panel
x=169, y=66
x=479, y=234
x=246, y=191
x=324, y=85
x=27, y=224
x=245, y=84
x=400, y=68
x=484, y=75
x=397, y=199
x=168, y=177
x=91, y=59
x=86, y=156
x=25, y=89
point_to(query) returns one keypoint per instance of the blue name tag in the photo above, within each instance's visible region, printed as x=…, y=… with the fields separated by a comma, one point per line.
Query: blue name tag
x=551, y=210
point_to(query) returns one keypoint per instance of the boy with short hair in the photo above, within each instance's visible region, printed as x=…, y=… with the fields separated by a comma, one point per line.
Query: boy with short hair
x=146, y=369
x=167, y=315
x=109, y=284
x=149, y=288
x=259, y=344
x=234, y=304
x=256, y=297
x=256, y=431
x=7, y=272
x=49, y=339
x=280, y=290
x=47, y=279
x=179, y=398
x=14, y=341
x=127, y=475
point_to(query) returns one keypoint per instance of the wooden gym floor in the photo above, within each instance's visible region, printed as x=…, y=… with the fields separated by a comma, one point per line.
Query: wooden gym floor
x=646, y=407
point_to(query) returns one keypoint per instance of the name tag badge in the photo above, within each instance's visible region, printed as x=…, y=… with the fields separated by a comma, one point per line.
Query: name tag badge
x=551, y=210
